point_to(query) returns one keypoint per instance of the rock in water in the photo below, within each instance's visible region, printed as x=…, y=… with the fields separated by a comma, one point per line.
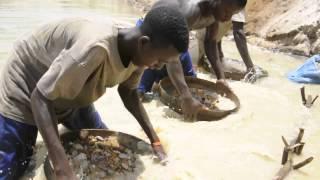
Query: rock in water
x=96, y=157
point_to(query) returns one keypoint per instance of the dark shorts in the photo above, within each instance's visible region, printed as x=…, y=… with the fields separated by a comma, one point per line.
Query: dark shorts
x=18, y=139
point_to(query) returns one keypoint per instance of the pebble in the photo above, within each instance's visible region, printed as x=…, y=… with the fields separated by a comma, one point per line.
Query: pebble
x=74, y=153
x=81, y=157
x=101, y=174
x=78, y=146
x=125, y=165
x=142, y=146
x=92, y=161
x=99, y=138
x=84, y=164
x=124, y=156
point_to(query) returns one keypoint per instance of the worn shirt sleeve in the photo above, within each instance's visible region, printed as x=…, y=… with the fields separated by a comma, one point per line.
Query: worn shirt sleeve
x=133, y=81
x=69, y=72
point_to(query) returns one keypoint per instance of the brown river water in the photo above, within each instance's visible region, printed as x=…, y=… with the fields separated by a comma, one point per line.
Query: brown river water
x=244, y=145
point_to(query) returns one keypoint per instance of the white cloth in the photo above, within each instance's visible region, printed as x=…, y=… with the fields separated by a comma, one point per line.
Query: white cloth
x=239, y=17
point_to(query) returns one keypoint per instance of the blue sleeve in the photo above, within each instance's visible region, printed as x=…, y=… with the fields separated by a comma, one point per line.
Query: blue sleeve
x=147, y=80
x=139, y=22
x=186, y=62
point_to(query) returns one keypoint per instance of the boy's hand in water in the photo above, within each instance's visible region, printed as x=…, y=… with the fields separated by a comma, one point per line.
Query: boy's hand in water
x=222, y=82
x=190, y=107
x=159, y=152
x=251, y=76
x=66, y=174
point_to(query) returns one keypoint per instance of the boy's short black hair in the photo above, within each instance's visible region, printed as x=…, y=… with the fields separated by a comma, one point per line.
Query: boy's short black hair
x=167, y=25
x=241, y=3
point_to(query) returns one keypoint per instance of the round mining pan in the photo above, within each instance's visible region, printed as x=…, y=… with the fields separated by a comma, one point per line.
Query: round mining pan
x=168, y=97
x=133, y=143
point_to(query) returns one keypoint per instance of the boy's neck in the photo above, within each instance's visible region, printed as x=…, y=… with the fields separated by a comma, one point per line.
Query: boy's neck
x=127, y=39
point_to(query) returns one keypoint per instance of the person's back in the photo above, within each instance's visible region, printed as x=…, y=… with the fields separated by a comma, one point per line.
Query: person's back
x=71, y=38
x=46, y=42
x=207, y=14
x=194, y=11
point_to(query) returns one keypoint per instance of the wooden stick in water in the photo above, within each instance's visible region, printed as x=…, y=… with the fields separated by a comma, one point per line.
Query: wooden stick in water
x=285, y=141
x=303, y=96
x=300, y=148
x=308, y=102
x=295, y=147
x=314, y=99
x=303, y=163
x=298, y=140
x=285, y=155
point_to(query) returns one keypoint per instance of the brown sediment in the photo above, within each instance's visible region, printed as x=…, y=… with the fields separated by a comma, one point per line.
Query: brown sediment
x=169, y=98
x=98, y=157
x=207, y=98
x=290, y=26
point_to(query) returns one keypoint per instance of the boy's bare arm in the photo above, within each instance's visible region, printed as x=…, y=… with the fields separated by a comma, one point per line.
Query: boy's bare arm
x=211, y=50
x=189, y=105
x=132, y=102
x=46, y=121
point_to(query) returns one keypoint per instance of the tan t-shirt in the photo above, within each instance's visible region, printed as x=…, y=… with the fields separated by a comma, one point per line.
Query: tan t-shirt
x=71, y=62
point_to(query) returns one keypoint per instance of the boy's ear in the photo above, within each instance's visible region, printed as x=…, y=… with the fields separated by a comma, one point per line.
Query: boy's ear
x=143, y=41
